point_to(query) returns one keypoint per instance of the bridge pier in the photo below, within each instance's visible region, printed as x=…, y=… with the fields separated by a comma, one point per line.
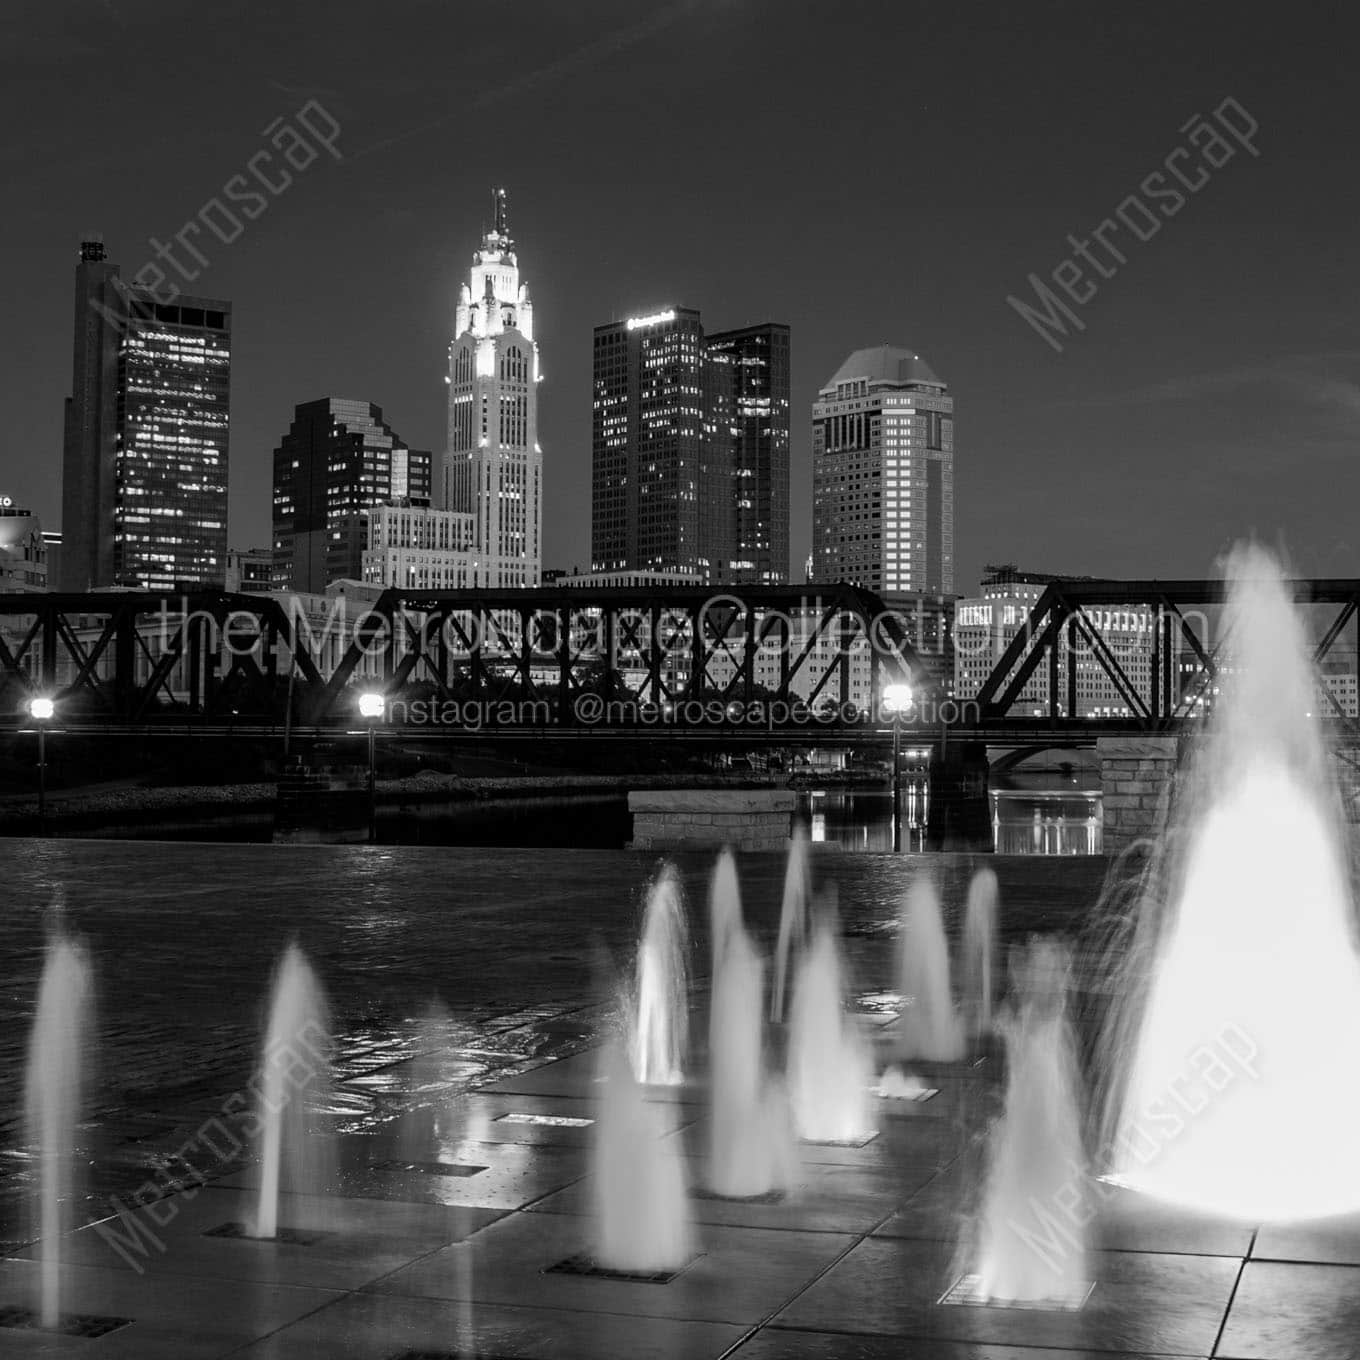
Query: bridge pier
x=1135, y=783
x=960, y=816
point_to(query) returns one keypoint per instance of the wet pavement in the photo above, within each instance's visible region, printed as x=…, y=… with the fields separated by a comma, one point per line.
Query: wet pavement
x=452, y=1205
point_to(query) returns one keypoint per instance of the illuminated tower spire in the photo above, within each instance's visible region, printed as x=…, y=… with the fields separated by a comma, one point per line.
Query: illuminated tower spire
x=493, y=466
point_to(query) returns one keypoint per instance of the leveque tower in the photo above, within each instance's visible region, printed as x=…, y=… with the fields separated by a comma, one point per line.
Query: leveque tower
x=493, y=466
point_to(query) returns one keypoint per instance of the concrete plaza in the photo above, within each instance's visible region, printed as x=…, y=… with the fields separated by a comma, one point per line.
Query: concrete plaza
x=452, y=1206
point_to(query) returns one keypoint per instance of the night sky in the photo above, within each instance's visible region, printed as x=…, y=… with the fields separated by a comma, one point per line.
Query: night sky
x=865, y=172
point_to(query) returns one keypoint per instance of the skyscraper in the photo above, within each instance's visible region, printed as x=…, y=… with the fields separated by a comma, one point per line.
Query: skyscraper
x=756, y=359
x=338, y=459
x=690, y=449
x=144, y=459
x=493, y=466
x=883, y=475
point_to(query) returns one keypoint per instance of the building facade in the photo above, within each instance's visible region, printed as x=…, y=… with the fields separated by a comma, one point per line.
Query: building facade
x=420, y=549
x=690, y=446
x=493, y=465
x=23, y=549
x=883, y=475
x=338, y=459
x=750, y=382
x=986, y=624
x=250, y=569
x=145, y=448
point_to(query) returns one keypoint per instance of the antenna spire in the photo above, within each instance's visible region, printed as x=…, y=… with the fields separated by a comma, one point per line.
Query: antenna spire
x=501, y=215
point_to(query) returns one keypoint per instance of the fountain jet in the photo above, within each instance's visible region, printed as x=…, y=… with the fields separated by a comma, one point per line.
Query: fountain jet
x=830, y=1067
x=52, y=1104
x=420, y=1122
x=751, y=1148
x=295, y=1074
x=979, y=950
x=660, y=1012
x=1239, y=1016
x=641, y=1207
x=793, y=918
x=1032, y=1245
x=929, y=1027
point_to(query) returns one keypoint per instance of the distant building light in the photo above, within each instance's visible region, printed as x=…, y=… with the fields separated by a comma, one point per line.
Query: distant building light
x=655, y=319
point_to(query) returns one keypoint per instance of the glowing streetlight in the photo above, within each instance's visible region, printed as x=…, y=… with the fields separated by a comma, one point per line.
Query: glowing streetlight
x=372, y=706
x=43, y=710
x=897, y=701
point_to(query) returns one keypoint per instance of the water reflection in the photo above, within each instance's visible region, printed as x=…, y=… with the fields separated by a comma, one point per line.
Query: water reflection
x=861, y=819
x=1046, y=822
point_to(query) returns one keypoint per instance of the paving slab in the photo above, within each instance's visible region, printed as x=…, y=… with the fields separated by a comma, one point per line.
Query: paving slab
x=1333, y=1241
x=505, y=1175
x=579, y=1076
x=781, y=1343
x=1142, y=1302
x=480, y=1118
x=354, y=1241
x=1286, y=1311
x=836, y=1199
x=379, y=1327
x=896, y=1142
x=742, y=1276
x=172, y=1318
x=1129, y=1221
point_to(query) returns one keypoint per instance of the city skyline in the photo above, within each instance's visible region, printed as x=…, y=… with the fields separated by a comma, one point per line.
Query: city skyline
x=1218, y=342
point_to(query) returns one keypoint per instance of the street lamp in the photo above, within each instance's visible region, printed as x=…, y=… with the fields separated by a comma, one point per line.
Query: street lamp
x=897, y=701
x=372, y=706
x=42, y=710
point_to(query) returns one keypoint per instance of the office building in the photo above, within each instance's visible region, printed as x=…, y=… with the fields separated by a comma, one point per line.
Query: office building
x=883, y=475
x=144, y=460
x=338, y=459
x=690, y=449
x=23, y=549
x=420, y=549
x=985, y=625
x=493, y=465
x=249, y=569
x=749, y=371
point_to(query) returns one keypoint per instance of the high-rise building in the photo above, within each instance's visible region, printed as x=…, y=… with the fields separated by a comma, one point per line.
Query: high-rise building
x=750, y=371
x=338, y=459
x=144, y=461
x=690, y=449
x=883, y=475
x=493, y=465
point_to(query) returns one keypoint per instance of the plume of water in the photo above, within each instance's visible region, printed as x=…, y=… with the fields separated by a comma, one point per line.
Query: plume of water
x=830, y=1068
x=979, y=951
x=724, y=905
x=641, y=1204
x=751, y=1148
x=294, y=1085
x=52, y=1104
x=660, y=1013
x=1239, y=986
x=793, y=918
x=420, y=1119
x=1032, y=1237
x=930, y=1027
